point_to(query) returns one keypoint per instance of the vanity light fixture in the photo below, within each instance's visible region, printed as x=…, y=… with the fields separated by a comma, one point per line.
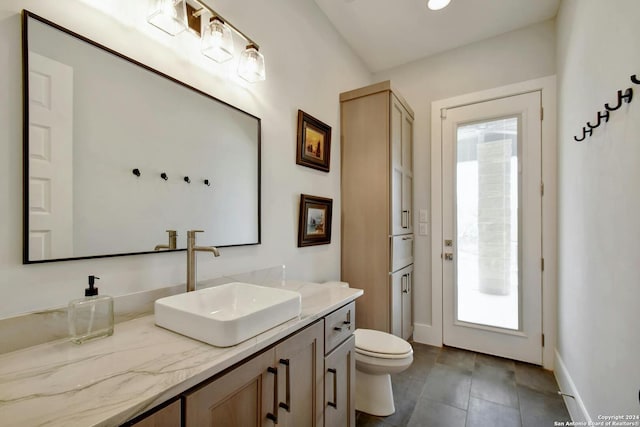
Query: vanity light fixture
x=251, y=66
x=169, y=15
x=217, y=41
x=437, y=4
x=215, y=33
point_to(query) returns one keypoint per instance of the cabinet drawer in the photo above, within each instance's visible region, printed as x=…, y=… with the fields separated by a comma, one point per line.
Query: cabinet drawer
x=338, y=326
x=401, y=251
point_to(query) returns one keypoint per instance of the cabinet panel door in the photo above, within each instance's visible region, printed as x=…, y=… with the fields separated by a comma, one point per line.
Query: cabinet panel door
x=398, y=218
x=339, y=385
x=300, y=368
x=401, y=169
x=400, y=301
x=242, y=397
x=407, y=305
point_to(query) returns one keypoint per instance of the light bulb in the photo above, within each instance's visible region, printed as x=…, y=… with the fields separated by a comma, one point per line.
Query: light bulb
x=437, y=4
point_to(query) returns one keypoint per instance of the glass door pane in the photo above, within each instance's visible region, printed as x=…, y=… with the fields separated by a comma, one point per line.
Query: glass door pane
x=486, y=183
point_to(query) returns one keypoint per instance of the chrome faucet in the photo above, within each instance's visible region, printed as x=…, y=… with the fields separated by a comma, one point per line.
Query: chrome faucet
x=191, y=257
x=172, y=241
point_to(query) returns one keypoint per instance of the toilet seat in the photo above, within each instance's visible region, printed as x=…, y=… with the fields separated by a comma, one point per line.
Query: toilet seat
x=381, y=344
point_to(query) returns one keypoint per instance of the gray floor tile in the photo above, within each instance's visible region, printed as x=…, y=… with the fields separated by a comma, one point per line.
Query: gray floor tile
x=541, y=409
x=496, y=362
x=535, y=377
x=429, y=413
x=495, y=384
x=451, y=387
x=483, y=413
x=448, y=385
x=457, y=358
x=366, y=420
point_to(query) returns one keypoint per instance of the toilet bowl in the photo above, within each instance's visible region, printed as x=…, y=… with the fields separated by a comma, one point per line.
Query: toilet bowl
x=378, y=355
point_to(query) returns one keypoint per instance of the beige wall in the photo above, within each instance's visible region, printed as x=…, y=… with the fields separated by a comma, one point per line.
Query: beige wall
x=293, y=35
x=513, y=57
x=598, y=202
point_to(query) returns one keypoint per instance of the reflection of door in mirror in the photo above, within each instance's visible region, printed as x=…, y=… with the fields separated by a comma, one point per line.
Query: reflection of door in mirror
x=50, y=157
x=93, y=117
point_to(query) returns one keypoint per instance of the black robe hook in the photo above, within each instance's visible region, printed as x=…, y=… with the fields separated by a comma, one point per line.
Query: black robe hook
x=187, y=180
x=136, y=172
x=601, y=115
x=164, y=176
x=627, y=97
x=635, y=80
x=585, y=131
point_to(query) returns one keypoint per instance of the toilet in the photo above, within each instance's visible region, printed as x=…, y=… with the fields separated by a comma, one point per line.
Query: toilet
x=378, y=355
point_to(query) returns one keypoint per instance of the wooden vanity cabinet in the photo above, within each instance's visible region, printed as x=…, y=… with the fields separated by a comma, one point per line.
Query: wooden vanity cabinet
x=282, y=384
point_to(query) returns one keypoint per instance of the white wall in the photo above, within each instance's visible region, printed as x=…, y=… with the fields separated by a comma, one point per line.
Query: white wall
x=599, y=201
x=513, y=57
x=308, y=65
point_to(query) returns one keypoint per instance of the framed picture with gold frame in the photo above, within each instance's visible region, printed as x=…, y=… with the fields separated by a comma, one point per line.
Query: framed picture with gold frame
x=314, y=142
x=314, y=223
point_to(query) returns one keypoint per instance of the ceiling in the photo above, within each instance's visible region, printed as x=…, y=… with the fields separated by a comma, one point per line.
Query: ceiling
x=389, y=33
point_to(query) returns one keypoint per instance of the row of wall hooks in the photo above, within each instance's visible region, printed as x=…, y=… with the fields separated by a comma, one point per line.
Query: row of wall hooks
x=164, y=176
x=604, y=115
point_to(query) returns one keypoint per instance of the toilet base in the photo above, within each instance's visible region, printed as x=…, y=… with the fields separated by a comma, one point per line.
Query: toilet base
x=374, y=394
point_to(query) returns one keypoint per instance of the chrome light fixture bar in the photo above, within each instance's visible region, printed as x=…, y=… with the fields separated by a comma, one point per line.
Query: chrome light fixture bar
x=175, y=16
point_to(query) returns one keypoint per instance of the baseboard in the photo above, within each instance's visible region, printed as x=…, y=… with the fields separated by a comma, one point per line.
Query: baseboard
x=575, y=405
x=427, y=334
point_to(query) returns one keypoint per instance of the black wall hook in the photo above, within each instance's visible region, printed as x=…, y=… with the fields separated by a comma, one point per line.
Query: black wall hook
x=601, y=115
x=164, y=176
x=585, y=132
x=207, y=183
x=635, y=80
x=187, y=180
x=136, y=172
x=627, y=97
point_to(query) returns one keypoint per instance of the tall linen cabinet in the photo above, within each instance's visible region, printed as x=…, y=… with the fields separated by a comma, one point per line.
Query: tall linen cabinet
x=377, y=206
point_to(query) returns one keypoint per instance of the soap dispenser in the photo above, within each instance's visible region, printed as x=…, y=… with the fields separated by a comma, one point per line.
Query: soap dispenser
x=90, y=317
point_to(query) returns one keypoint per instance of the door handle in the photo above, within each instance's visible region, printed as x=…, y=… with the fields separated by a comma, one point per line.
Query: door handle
x=287, y=405
x=273, y=416
x=334, y=404
x=404, y=219
x=448, y=256
x=405, y=283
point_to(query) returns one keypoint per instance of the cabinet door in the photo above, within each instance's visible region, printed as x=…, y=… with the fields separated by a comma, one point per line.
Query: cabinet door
x=243, y=397
x=339, y=385
x=401, y=302
x=401, y=169
x=300, y=365
x=169, y=416
x=407, y=305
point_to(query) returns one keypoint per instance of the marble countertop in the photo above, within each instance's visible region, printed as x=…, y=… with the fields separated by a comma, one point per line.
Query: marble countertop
x=108, y=381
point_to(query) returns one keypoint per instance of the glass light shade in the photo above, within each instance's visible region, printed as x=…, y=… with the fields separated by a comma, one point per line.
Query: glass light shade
x=169, y=15
x=251, y=66
x=438, y=4
x=217, y=41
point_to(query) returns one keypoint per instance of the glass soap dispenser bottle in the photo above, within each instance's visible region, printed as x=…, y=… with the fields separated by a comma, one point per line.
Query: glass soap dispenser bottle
x=90, y=317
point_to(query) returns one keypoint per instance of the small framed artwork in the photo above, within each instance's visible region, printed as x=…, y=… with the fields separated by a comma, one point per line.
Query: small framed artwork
x=314, y=142
x=314, y=224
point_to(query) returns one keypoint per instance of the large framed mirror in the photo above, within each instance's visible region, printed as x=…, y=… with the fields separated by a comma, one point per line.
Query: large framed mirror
x=116, y=153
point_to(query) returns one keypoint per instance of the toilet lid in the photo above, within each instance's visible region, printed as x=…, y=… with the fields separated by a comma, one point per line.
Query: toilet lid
x=381, y=343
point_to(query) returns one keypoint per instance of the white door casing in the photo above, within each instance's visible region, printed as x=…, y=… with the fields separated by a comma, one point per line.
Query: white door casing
x=50, y=159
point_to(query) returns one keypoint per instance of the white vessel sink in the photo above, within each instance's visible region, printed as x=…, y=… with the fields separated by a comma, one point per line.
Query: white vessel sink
x=228, y=314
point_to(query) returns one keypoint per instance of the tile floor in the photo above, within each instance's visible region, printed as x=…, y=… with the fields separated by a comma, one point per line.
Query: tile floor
x=458, y=388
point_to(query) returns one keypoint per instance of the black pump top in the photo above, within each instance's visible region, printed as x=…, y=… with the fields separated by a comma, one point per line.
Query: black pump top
x=91, y=291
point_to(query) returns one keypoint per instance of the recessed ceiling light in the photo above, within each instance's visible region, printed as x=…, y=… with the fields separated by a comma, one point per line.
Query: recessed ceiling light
x=437, y=4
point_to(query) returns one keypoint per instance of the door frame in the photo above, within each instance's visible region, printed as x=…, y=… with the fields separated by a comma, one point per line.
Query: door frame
x=432, y=334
